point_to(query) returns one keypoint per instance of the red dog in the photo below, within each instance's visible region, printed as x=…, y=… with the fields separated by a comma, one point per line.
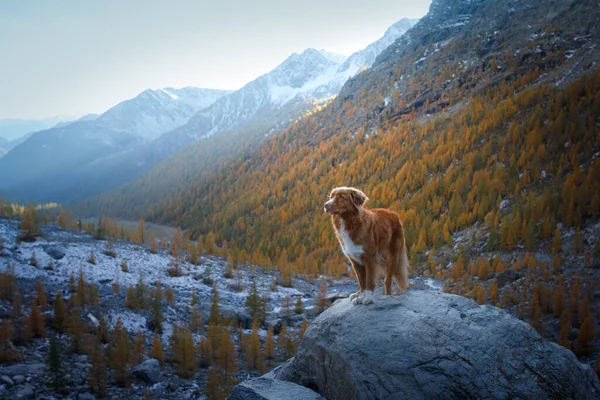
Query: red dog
x=373, y=241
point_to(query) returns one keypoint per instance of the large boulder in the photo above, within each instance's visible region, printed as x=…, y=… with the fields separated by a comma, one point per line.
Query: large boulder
x=426, y=345
x=271, y=389
x=148, y=371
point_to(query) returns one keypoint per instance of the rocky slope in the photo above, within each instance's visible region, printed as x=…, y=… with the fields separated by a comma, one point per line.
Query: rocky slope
x=424, y=345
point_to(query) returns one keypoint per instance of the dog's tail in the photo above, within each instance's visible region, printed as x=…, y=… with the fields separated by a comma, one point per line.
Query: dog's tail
x=401, y=278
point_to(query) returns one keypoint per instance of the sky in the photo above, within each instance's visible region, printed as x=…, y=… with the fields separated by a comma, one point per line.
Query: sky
x=73, y=57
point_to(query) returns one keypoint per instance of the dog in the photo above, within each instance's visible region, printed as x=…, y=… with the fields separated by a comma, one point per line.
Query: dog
x=373, y=241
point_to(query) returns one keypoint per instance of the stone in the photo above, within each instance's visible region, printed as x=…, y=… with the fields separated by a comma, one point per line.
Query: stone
x=148, y=371
x=87, y=396
x=25, y=392
x=16, y=369
x=55, y=252
x=271, y=389
x=507, y=276
x=6, y=380
x=425, y=345
x=19, y=379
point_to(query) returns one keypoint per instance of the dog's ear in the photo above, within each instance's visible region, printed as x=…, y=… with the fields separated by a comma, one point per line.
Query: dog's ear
x=358, y=197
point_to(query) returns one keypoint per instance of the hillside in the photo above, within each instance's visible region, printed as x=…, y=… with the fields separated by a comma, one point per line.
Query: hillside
x=479, y=126
x=58, y=163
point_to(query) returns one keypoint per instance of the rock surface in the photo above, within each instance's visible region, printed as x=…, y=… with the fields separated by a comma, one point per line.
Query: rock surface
x=427, y=345
x=149, y=371
x=271, y=389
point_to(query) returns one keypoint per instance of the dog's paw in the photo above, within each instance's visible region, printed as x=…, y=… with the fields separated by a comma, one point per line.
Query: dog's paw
x=354, y=295
x=368, y=297
x=358, y=299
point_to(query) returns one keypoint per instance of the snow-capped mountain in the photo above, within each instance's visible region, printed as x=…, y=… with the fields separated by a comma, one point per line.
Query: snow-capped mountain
x=300, y=79
x=299, y=74
x=154, y=112
x=44, y=166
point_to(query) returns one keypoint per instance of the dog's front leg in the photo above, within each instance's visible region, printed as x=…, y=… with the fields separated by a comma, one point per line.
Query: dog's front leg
x=369, y=293
x=359, y=270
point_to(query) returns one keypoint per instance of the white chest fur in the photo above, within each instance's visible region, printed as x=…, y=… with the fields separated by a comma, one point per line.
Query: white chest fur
x=350, y=249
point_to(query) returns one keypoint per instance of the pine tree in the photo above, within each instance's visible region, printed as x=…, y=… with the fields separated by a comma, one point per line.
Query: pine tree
x=156, y=319
x=62, y=218
x=41, y=299
x=215, y=315
x=269, y=346
x=141, y=293
x=186, y=355
x=494, y=293
x=138, y=347
x=130, y=300
x=37, y=322
x=204, y=353
x=303, y=328
x=157, y=350
x=54, y=366
x=227, y=356
x=139, y=234
x=75, y=332
x=121, y=358
x=556, y=242
x=321, y=301
x=8, y=283
x=153, y=244
x=196, y=320
x=286, y=309
x=565, y=329
x=254, y=357
x=29, y=225
x=98, y=380
x=586, y=333
x=299, y=308
x=19, y=325
x=102, y=333
x=170, y=296
x=7, y=350
x=60, y=314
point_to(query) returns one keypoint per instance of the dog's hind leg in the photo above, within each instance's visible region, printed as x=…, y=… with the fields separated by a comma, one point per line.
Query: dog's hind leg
x=391, y=262
x=401, y=273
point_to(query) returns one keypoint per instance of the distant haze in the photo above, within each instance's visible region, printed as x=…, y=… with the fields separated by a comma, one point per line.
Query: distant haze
x=77, y=57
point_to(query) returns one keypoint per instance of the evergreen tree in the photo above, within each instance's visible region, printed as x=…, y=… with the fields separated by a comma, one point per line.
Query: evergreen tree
x=54, y=365
x=40, y=295
x=196, y=320
x=138, y=348
x=7, y=350
x=37, y=322
x=75, y=332
x=299, y=308
x=29, y=225
x=186, y=355
x=303, y=328
x=157, y=350
x=98, y=380
x=254, y=357
x=60, y=314
x=586, y=334
x=139, y=234
x=269, y=346
x=156, y=319
x=170, y=296
x=121, y=357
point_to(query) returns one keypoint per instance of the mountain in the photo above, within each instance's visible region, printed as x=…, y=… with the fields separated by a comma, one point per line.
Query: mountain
x=12, y=129
x=87, y=117
x=47, y=166
x=478, y=126
x=237, y=123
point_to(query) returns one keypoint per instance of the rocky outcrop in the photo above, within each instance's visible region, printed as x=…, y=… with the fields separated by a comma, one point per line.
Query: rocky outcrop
x=271, y=389
x=426, y=345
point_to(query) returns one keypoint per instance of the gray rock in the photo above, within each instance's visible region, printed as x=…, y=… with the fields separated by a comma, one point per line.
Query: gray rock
x=19, y=379
x=55, y=252
x=87, y=396
x=426, y=345
x=26, y=392
x=6, y=380
x=271, y=389
x=148, y=371
x=16, y=369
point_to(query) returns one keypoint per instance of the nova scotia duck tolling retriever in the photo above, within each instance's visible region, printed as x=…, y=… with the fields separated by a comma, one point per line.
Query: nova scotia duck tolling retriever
x=373, y=241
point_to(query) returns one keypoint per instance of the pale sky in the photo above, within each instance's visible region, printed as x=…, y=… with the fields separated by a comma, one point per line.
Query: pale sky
x=73, y=57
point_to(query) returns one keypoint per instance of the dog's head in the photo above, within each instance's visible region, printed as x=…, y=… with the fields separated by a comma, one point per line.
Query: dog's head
x=345, y=200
